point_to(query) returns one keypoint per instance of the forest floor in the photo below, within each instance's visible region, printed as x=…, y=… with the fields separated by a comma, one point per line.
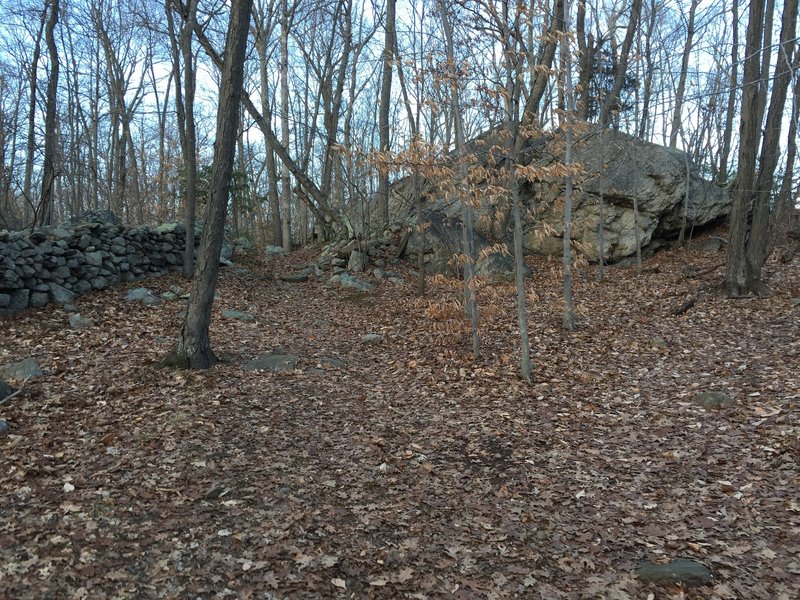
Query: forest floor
x=409, y=470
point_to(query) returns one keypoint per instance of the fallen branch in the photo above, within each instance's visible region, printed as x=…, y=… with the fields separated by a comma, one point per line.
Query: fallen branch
x=14, y=394
x=690, y=301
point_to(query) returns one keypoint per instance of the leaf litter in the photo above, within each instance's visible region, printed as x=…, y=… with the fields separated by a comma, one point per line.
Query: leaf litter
x=408, y=469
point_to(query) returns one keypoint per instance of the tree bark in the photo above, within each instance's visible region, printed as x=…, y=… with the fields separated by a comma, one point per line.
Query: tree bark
x=383, y=112
x=569, y=305
x=735, y=283
x=45, y=211
x=730, y=113
x=467, y=217
x=193, y=349
x=612, y=99
x=687, y=49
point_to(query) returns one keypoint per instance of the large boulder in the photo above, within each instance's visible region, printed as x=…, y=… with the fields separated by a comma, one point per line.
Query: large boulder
x=619, y=172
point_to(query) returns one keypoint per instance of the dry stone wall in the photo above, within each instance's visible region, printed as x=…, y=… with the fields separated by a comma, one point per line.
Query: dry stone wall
x=56, y=264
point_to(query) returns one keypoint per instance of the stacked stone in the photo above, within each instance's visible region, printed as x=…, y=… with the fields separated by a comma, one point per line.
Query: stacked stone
x=54, y=264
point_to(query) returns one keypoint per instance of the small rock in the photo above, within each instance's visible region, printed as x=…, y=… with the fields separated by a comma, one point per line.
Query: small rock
x=152, y=301
x=349, y=281
x=680, y=570
x=272, y=362
x=372, y=338
x=657, y=342
x=5, y=390
x=238, y=315
x=138, y=294
x=332, y=362
x=301, y=277
x=713, y=399
x=377, y=273
x=3, y=427
x=397, y=280
x=358, y=261
x=78, y=321
x=70, y=308
x=21, y=370
x=274, y=251
x=795, y=302
x=169, y=296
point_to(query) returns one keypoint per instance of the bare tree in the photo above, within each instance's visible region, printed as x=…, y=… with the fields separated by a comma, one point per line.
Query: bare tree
x=383, y=111
x=467, y=217
x=752, y=207
x=611, y=101
x=193, y=349
x=679, y=93
x=45, y=210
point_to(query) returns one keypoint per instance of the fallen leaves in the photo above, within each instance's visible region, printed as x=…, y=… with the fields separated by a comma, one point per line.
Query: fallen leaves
x=415, y=471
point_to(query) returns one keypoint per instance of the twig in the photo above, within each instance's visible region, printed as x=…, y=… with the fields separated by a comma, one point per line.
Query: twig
x=690, y=301
x=14, y=394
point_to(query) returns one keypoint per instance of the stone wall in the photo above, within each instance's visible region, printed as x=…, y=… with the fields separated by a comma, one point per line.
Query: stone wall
x=55, y=264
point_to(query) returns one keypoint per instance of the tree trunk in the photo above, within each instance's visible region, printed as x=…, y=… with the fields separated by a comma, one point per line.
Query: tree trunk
x=759, y=242
x=383, y=111
x=569, y=305
x=286, y=188
x=687, y=49
x=530, y=113
x=45, y=211
x=722, y=176
x=735, y=283
x=30, y=154
x=193, y=349
x=466, y=207
x=611, y=101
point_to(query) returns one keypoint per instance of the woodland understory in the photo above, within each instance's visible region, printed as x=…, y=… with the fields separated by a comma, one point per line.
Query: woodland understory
x=413, y=471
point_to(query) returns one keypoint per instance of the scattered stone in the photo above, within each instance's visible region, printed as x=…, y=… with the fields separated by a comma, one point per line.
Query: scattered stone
x=274, y=251
x=658, y=342
x=378, y=273
x=152, y=301
x=21, y=370
x=5, y=390
x=679, y=571
x=710, y=245
x=349, y=281
x=397, y=280
x=238, y=315
x=336, y=363
x=272, y=362
x=70, y=308
x=795, y=302
x=358, y=261
x=372, y=338
x=710, y=400
x=78, y=321
x=169, y=296
x=314, y=371
x=138, y=294
x=3, y=427
x=301, y=277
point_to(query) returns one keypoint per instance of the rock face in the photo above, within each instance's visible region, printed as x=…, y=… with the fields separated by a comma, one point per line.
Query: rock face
x=619, y=170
